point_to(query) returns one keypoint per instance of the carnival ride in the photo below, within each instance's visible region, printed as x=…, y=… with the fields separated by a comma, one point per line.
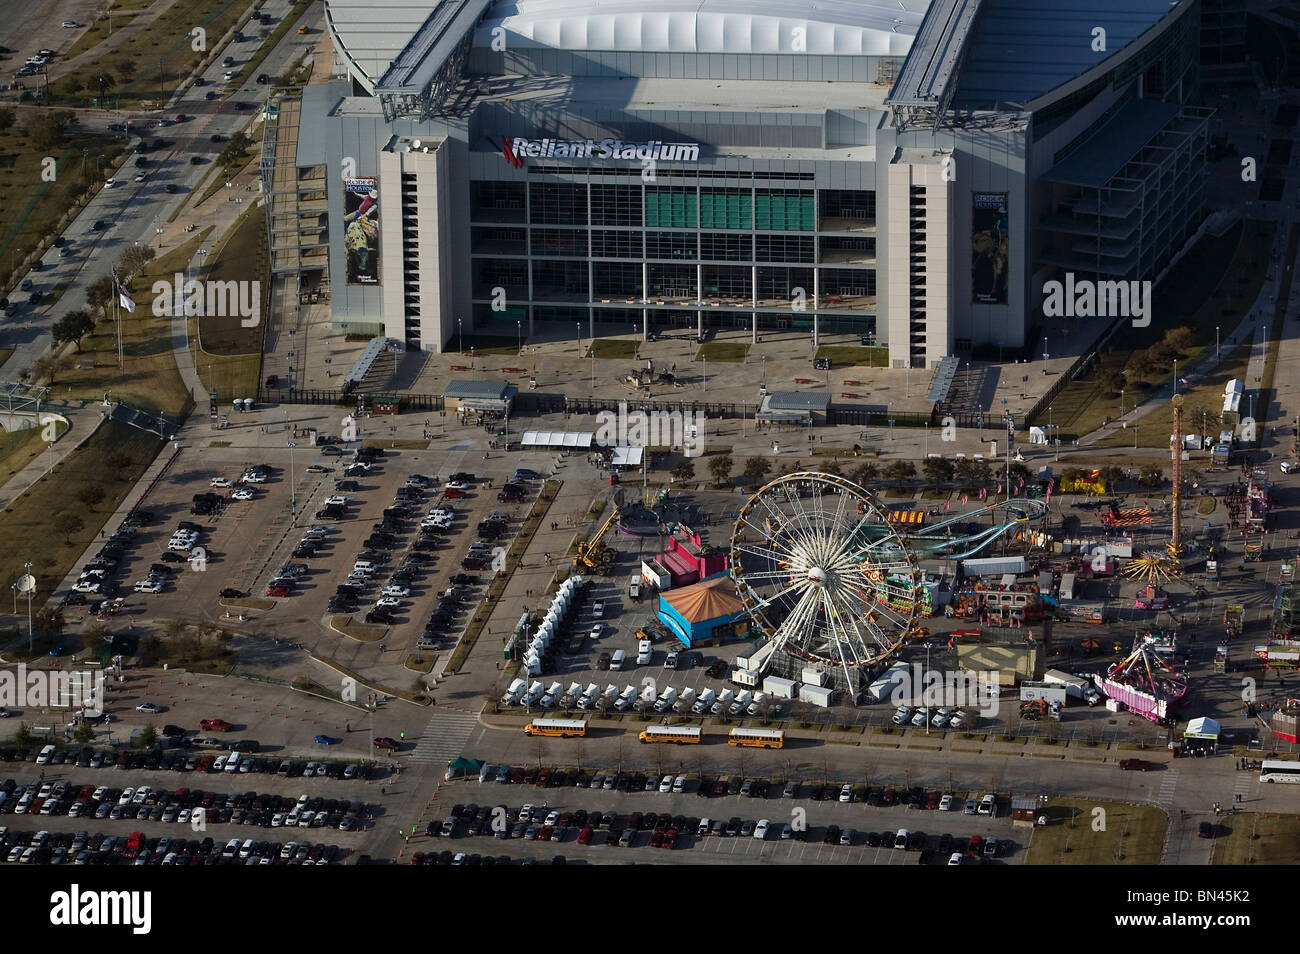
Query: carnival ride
x=1144, y=682
x=832, y=582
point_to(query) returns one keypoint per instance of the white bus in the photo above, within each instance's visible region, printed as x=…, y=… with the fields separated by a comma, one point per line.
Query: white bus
x=1278, y=771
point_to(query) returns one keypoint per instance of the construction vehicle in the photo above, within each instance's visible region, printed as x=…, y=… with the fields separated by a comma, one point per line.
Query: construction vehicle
x=1033, y=710
x=593, y=554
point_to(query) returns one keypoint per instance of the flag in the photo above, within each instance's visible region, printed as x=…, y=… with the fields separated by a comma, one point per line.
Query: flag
x=947, y=505
x=999, y=490
x=124, y=298
x=984, y=492
x=1183, y=382
x=964, y=498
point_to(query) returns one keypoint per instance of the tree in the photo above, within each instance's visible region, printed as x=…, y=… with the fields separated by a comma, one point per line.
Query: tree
x=833, y=468
x=938, y=470
x=967, y=474
x=126, y=69
x=117, y=462
x=1018, y=471
x=900, y=470
x=148, y=737
x=95, y=637
x=720, y=468
x=866, y=473
x=45, y=131
x=23, y=735
x=6, y=119
x=45, y=368
x=84, y=732
x=1111, y=380
x=685, y=469
x=103, y=82
x=99, y=294
x=1151, y=476
x=72, y=327
x=756, y=469
x=68, y=523
x=90, y=495
x=133, y=261
x=149, y=648
x=48, y=621
x=1111, y=475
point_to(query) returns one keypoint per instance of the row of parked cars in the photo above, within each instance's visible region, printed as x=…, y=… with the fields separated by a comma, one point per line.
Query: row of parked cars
x=84, y=848
x=182, y=806
x=941, y=718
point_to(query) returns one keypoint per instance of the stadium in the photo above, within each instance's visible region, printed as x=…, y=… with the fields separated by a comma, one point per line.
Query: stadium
x=905, y=171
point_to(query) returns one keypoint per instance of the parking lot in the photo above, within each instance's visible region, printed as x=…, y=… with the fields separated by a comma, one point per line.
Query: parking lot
x=243, y=545
x=635, y=827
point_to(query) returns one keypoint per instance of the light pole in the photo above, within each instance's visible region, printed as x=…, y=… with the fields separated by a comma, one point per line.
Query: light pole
x=27, y=567
x=1121, y=402
x=293, y=490
x=1135, y=436
x=927, y=439
x=1044, y=354
x=460, y=337
x=891, y=428
x=578, y=325
x=1175, y=375
x=519, y=336
x=927, y=669
x=764, y=360
x=1216, y=342
x=706, y=373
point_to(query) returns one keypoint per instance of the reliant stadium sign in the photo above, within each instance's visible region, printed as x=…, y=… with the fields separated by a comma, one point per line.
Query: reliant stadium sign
x=516, y=150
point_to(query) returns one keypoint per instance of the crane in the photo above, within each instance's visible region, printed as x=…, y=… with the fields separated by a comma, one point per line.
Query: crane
x=593, y=553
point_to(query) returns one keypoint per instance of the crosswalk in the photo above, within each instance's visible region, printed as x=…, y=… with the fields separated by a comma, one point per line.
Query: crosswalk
x=444, y=737
x=1242, y=787
x=1165, y=797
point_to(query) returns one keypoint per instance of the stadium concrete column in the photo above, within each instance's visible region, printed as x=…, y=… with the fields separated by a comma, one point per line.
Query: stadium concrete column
x=753, y=300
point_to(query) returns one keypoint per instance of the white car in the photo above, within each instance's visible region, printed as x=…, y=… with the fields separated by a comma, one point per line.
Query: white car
x=70, y=24
x=242, y=494
x=149, y=586
x=597, y=630
x=147, y=707
x=1286, y=467
x=141, y=176
x=459, y=485
x=85, y=586
x=396, y=589
x=760, y=830
x=109, y=183
x=598, y=609
x=253, y=479
x=220, y=482
x=338, y=500
x=387, y=602
x=946, y=803
x=442, y=512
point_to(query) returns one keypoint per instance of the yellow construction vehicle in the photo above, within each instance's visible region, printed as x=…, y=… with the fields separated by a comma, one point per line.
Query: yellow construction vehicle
x=593, y=554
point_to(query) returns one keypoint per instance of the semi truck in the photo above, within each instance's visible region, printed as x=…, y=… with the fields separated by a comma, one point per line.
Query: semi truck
x=1077, y=687
x=1046, y=691
x=889, y=680
x=634, y=587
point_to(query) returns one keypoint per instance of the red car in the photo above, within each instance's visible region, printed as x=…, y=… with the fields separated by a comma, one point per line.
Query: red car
x=384, y=742
x=451, y=494
x=545, y=833
x=1134, y=765
x=584, y=836
x=278, y=591
x=215, y=725
x=670, y=838
x=542, y=776
x=656, y=839
x=932, y=801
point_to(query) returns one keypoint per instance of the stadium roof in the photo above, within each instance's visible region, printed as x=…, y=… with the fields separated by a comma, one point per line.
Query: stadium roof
x=373, y=34
x=711, y=599
x=846, y=27
x=1102, y=157
x=1022, y=49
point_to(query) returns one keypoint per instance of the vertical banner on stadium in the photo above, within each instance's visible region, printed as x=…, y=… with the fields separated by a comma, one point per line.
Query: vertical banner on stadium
x=989, y=223
x=361, y=231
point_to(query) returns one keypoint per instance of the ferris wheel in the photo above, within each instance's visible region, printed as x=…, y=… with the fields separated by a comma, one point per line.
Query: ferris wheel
x=826, y=577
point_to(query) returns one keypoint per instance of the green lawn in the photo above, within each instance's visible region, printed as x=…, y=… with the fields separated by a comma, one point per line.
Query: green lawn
x=32, y=207
x=1212, y=286
x=18, y=448
x=26, y=526
x=148, y=378
x=161, y=56
x=1132, y=835
x=848, y=355
x=284, y=26
x=729, y=351
x=239, y=256
x=612, y=348
x=1249, y=839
